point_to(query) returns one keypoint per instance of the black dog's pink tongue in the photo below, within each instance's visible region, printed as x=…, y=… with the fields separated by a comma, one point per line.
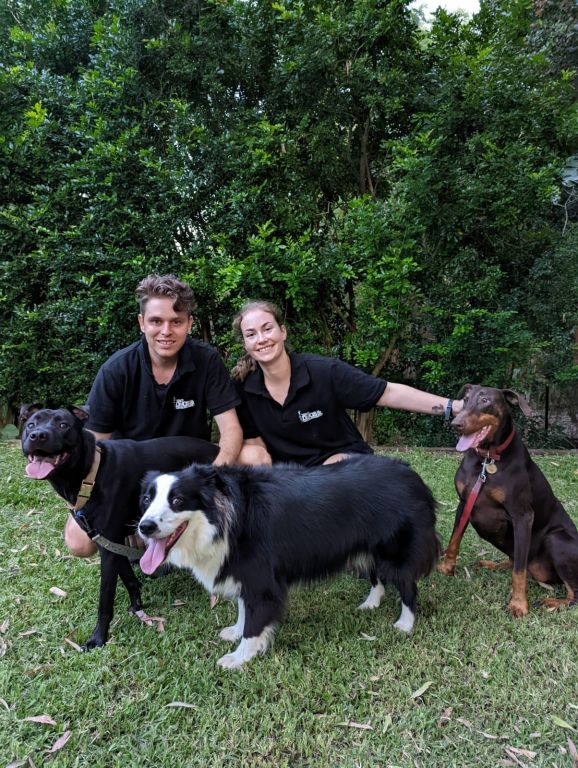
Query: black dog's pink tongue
x=39, y=468
x=154, y=556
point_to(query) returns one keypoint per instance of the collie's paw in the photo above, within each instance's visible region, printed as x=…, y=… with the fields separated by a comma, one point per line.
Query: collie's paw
x=231, y=634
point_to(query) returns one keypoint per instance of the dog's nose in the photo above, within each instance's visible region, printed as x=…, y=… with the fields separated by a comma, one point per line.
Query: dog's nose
x=148, y=527
x=37, y=436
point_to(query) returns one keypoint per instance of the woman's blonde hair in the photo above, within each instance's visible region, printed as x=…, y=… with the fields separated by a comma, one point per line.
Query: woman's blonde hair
x=245, y=364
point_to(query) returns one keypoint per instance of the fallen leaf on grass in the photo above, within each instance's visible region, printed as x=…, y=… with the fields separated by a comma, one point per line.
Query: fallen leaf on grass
x=20, y=763
x=57, y=591
x=524, y=752
x=487, y=735
x=27, y=632
x=468, y=576
x=465, y=722
x=562, y=723
x=511, y=752
x=44, y=719
x=422, y=690
x=177, y=603
x=360, y=726
x=182, y=704
x=386, y=724
x=59, y=743
x=3, y=647
x=445, y=716
x=4, y=626
x=73, y=644
x=573, y=752
x=149, y=620
x=367, y=637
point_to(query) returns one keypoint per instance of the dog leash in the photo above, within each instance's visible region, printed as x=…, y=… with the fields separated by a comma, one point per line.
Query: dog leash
x=488, y=466
x=86, y=488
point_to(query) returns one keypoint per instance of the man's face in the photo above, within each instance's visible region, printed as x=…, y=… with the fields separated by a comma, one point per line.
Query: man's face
x=165, y=329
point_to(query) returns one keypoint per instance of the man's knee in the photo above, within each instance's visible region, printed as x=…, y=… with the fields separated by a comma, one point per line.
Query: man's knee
x=77, y=540
x=252, y=455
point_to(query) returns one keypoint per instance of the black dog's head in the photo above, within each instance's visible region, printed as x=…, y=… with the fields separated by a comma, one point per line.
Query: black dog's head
x=50, y=437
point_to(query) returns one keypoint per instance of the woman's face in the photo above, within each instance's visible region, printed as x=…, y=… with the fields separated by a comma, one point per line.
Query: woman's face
x=263, y=337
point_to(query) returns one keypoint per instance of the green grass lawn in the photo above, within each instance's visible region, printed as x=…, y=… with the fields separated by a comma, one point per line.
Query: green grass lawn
x=340, y=687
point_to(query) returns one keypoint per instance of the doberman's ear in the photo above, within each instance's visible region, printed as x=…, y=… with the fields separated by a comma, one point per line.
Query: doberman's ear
x=78, y=411
x=464, y=391
x=513, y=398
x=26, y=411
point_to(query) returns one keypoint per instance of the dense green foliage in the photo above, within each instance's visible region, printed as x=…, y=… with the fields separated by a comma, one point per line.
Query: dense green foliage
x=395, y=189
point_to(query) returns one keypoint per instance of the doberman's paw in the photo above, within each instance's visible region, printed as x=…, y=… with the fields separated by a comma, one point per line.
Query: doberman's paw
x=447, y=568
x=518, y=608
x=553, y=603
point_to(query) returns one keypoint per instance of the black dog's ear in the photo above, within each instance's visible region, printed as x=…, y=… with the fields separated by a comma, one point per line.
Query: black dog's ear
x=81, y=412
x=513, y=398
x=464, y=391
x=26, y=411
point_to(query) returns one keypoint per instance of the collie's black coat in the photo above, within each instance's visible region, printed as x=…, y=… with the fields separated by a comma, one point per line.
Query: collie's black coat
x=250, y=532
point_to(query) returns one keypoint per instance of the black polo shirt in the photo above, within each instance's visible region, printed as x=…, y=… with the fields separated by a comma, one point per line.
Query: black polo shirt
x=313, y=423
x=126, y=400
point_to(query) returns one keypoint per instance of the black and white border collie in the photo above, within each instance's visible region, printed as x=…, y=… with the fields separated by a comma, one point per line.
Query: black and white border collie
x=248, y=533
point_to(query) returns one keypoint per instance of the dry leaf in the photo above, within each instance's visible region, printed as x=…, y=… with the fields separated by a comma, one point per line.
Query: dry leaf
x=488, y=735
x=182, y=704
x=59, y=743
x=368, y=637
x=360, y=726
x=562, y=723
x=422, y=690
x=73, y=644
x=45, y=719
x=445, y=716
x=4, y=626
x=524, y=752
x=517, y=761
x=573, y=752
x=465, y=722
x=27, y=632
x=386, y=723
x=177, y=603
x=18, y=763
x=214, y=600
x=57, y=591
x=468, y=576
x=3, y=647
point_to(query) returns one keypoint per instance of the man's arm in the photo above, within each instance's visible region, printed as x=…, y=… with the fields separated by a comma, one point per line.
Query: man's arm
x=231, y=437
x=101, y=435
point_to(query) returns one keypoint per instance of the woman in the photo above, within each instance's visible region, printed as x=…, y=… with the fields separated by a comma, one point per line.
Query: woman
x=295, y=404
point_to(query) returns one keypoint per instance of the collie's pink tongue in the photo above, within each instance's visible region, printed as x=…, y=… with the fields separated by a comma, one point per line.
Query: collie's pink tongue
x=154, y=556
x=472, y=440
x=39, y=468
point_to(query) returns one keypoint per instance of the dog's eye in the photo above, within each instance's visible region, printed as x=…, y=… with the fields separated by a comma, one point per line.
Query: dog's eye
x=145, y=500
x=63, y=425
x=177, y=502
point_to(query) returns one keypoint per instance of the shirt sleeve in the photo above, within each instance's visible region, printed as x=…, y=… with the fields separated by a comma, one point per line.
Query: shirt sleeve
x=104, y=401
x=221, y=393
x=244, y=414
x=354, y=388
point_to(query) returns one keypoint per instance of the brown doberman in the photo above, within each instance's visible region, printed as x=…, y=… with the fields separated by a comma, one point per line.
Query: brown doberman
x=509, y=501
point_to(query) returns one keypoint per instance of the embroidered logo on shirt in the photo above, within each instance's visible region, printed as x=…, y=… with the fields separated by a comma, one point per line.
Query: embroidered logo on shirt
x=181, y=405
x=309, y=415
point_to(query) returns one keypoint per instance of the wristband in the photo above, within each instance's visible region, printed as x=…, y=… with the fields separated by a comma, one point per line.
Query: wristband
x=448, y=412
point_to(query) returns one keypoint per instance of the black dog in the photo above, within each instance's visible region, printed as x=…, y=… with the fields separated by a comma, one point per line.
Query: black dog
x=248, y=533
x=60, y=450
x=511, y=503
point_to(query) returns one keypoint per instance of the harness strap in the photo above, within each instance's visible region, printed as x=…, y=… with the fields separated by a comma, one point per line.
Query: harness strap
x=86, y=488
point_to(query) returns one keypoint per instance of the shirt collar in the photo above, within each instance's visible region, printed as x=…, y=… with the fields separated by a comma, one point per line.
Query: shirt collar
x=255, y=381
x=185, y=362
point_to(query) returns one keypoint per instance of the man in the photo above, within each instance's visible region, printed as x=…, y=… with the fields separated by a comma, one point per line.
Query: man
x=162, y=385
